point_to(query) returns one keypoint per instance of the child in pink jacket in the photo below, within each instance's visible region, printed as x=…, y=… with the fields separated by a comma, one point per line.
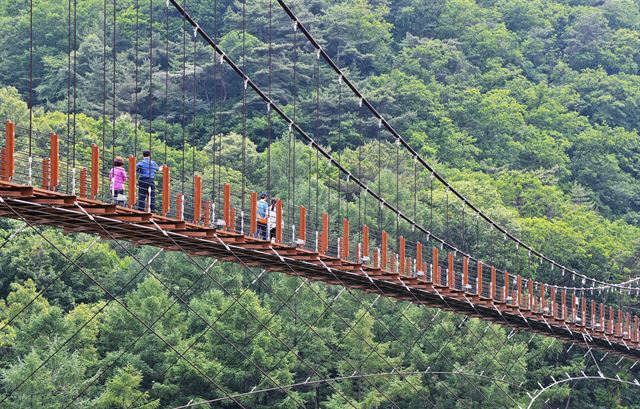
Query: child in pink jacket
x=117, y=178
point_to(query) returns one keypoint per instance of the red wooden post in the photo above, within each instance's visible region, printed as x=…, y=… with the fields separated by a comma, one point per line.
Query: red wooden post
x=207, y=213
x=419, y=261
x=227, y=206
x=132, y=182
x=302, y=228
x=179, y=207
x=451, y=274
x=611, y=316
x=324, y=234
x=10, y=149
x=583, y=311
x=279, y=221
x=253, y=213
x=436, y=266
x=197, y=198
x=54, y=156
x=365, y=243
x=554, y=304
x=619, y=324
x=564, y=304
x=574, y=309
x=479, y=278
x=95, y=171
x=602, y=317
x=494, y=283
x=465, y=272
x=83, y=183
x=542, y=298
x=627, y=324
x=383, y=251
x=636, y=335
x=393, y=263
x=376, y=263
x=166, y=190
x=518, y=300
x=402, y=255
x=505, y=288
x=530, y=288
x=45, y=173
x=345, y=239
x=593, y=314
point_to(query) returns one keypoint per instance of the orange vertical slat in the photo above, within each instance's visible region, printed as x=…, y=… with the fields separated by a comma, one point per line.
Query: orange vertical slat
x=451, y=275
x=197, y=198
x=279, y=221
x=302, y=229
x=602, y=326
x=479, y=277
x=232, y=220
x=530, y=287
x=95, y=171
x=494, y=283
x=227, y=206
x=365, y=242
x=207, y=213
x=45, y=173
x=345, y=238
x=564, y=304
x=83, y=182
x=132, y=182
x=419, y=261
x=402, y=255
x=611, y=319
x=324, y=234
x=166, y=190
x=542, y=298
x=465, y=272
x=436, y=266
x=505, y=288
x=253, y=213
x=383, y=251
x=554, y=304
x=518, y=300
x=619, y=324
x=593, y=314
x=636, y=336
x=179, y=206
x=54, y=156
x=10, y=149
x=574, y=310
x=584, y=310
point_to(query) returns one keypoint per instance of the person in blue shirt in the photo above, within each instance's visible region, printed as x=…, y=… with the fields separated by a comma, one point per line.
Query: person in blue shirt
x=263, y=217
x=146, y=170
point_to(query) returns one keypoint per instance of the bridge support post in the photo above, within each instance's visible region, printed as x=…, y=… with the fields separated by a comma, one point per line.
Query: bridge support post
x=302, y=228
x=465, y=273
x=45, y=173
x=253, y=214
x=554, y=303
x=345, y=239
x=180, y=207
x=207, y=213
x=166, y=190
x=494, y=283
x=10, y=148
x=197, y=198
x=54, y=157
x=279, y=221
x=365, y=244
x=226, y=206
x=542, y=298
x=324, y=234
x=402, y=256
x=505, y=288
x=419, y=260
x=435, y=266
x=95, y=171
x=479, y=278
x=83, y=182
x=383, y=251
x=530, y=288
x=132, y=183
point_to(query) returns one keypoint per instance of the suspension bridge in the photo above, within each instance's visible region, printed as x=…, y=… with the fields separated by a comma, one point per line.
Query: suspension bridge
x=46, y=180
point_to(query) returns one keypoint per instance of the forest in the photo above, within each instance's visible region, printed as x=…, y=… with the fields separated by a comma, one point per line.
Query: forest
x=530, y=108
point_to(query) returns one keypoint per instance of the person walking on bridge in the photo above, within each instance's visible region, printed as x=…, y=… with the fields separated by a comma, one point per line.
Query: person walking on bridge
x=146, y=170
x=263, y=217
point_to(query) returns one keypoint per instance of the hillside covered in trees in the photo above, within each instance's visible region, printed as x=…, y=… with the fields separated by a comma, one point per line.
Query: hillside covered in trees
x=531, y=108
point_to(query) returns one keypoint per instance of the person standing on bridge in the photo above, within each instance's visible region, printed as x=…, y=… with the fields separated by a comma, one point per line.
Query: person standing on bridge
x=263, y=217
x=118, y=177
x=146, y=170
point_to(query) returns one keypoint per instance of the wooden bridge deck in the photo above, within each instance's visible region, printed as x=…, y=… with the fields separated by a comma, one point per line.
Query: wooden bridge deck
x=76, y=214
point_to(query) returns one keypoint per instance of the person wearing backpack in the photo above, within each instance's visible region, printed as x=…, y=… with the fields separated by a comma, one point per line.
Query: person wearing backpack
x=263, y=217
x=117, y=179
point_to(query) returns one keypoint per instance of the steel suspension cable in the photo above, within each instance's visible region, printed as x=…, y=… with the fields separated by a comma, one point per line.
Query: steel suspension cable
x=104, y=78
x=136, y=77
x=244, y=108
x=30, y=78
x=150, y=100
